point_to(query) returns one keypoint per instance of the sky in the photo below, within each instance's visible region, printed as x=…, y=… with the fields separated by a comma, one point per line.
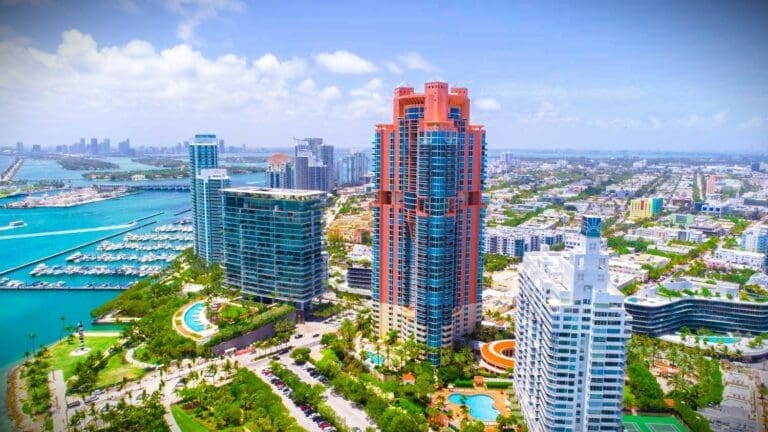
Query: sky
x=637, y=76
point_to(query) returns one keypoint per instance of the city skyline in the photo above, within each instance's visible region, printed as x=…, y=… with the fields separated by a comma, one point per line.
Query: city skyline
x=633, y=77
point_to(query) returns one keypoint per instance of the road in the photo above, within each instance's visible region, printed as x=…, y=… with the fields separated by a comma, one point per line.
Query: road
x=152, y=382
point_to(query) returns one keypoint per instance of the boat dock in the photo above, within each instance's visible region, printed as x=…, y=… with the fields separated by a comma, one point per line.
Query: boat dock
x=73, y=249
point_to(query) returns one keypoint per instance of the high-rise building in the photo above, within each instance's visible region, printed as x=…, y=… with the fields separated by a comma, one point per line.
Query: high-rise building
x=19, y=148
x=104, y=147
x=221, y=146
x=428, y=175
x=571, y=334
x=124, y=148
x=209, y=226
x=273, y=244
x=280, y=171
x=314, y=165
x=94, y=148
x=206, y=184
x=351, y=169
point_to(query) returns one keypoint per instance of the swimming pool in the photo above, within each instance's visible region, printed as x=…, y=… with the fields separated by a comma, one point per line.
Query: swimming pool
x=374, y=358
x=721, y=339
x=480, y=406
x=193, y=318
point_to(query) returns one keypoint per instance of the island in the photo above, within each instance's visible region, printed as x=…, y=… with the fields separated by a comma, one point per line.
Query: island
x=161, y=162
x=75, y=163
x=140, y=175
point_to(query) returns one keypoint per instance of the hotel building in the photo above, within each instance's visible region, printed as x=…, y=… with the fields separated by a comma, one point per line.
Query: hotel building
x=571, y=336
x=428, y=175
x=273, y=244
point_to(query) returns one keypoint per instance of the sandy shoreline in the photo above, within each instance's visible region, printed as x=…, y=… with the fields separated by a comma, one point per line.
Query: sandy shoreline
x=16, y=393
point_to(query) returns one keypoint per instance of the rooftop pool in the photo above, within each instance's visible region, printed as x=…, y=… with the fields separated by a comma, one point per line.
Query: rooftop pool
x=193, y=318
x=480, y=406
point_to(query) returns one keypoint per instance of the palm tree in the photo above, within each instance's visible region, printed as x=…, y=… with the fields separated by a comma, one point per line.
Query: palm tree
x=391, y=339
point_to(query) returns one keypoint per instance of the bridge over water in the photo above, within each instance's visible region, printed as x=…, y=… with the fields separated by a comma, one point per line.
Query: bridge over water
x=178, y=187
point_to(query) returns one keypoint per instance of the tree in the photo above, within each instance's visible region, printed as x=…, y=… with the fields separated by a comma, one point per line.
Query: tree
x=391, y=339
x=300, y=355
x=347, y=331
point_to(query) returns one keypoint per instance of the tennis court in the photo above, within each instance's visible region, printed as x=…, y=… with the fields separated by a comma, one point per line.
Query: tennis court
x=651, y=424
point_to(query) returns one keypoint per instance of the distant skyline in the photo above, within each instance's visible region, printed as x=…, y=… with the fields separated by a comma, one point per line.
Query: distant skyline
x=643, y=76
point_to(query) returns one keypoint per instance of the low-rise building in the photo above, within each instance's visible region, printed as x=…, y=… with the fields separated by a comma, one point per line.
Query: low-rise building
x=732, y=257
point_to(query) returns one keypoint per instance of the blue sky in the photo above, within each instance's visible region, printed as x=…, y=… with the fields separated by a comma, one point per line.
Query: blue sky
x=596, y=75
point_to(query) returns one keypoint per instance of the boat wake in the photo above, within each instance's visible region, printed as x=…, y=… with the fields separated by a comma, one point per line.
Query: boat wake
x=66, y=232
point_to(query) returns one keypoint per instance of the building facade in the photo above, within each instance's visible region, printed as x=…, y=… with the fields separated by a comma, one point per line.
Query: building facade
x=428, y=177
x=755, y=239
x=515, y=242
x=721, y=310
x=209, y=228
x=314, y=169
x=645, y=208
x=273, y=244
x=280, y=171
x=351, y=169
x=206, y=184
x=571, y=335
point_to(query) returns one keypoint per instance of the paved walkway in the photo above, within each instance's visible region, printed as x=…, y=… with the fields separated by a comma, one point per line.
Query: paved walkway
x=138, y=363
x=59, y=399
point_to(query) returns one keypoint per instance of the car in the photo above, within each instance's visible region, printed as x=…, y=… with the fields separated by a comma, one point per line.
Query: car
x=97, y=392
x=324, y=424
x=316, y=335
x=276, y=358
x=73, y=404
x=91, y=399
x=298, y=336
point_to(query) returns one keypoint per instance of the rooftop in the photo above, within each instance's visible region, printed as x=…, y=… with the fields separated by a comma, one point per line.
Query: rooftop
x=276, y=193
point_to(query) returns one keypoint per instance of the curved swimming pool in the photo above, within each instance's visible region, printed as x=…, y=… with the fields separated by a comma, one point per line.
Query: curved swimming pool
x=480, y=405
x=193, y=318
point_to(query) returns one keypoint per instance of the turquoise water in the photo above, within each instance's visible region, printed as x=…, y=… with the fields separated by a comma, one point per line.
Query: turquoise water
x=192, y=317
x=39, y=312
x=480, y=406
x=374, y=358
x=632, y=299
x=721, y=339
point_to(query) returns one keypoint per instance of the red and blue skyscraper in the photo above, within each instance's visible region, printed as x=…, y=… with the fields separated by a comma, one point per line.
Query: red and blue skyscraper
x=429, y=173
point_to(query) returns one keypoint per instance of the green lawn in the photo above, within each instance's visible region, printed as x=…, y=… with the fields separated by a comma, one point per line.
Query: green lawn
x=186, y=422
x=60, y=357
x=652, y=424
x=116, y=369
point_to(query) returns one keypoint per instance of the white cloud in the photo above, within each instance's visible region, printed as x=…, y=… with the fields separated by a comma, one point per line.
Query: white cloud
x=269, y=64
x=487, y=104
x=703, y=121
x=547, y=112
x=618, y=123
x=136, y=87
x=367, y=101
x=655, y=122
x=393, y=67
x=330, y=93
x=754, y=123
x=344, y=62
x=195, y=12
x=412, y=60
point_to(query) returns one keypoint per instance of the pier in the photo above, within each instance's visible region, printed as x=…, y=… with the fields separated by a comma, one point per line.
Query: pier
x=73, y=249
x=10, y=173
x=64, y=288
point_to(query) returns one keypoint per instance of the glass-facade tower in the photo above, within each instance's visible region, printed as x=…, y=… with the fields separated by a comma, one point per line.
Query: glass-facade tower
x=207, y=181
x=273, y=244
x=429, y=173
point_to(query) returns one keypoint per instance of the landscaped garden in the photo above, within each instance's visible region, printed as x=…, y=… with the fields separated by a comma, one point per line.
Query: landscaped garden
x=245, y=403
